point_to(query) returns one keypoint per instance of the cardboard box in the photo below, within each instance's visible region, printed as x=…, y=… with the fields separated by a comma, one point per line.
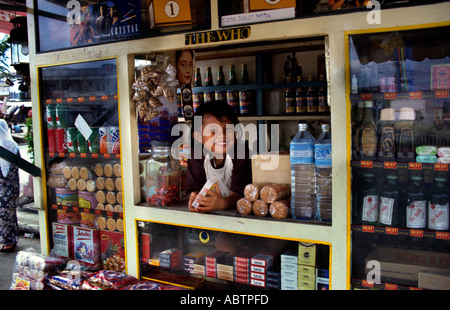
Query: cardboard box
x=112, y=246
x=405, y=264
x=145, y=239
x=306, y=254
x=434, y=281
x=259, y=5
x=63, y=240
x=169, y=13
x=86, y=246
x=271, y=167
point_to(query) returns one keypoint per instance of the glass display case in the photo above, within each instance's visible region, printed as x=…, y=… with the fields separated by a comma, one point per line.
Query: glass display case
x=400, y=143
x=82, y=156
x=197, y=258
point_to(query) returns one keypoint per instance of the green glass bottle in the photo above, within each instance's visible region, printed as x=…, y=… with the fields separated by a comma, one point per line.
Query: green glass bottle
x=438, y=207
x=368, y=208
x=389, y=203
x=416, y=205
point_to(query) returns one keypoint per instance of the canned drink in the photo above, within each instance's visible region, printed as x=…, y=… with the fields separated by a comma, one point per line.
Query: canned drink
x=244, y=102
x=220, y=95
x=51, y=138
x=82, y=143
x=50, y=115
x=197, y=100
x=61, y=140
x=233, y=100
x=115, y=139
x=94, y=143
x=61, y=116
x=209, y=96
x=72, y=133
x=104, y=138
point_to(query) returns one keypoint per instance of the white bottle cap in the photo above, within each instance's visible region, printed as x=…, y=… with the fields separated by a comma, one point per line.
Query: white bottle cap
x=387, y=114
x=407, y=114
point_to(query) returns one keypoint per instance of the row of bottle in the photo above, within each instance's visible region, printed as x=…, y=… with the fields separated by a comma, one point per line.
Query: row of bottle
x=311, y=178
x=305, y=99
x=412, y=208
x=241, y=101
x=389, y=140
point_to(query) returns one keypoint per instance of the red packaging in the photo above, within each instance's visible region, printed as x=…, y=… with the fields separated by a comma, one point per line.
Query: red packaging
x=61, y=142
x=63, y=240
x=145, y=255
x=112, y=246
x=51, y=137
x=115, y=140
x=103, y=137
x=86, y=246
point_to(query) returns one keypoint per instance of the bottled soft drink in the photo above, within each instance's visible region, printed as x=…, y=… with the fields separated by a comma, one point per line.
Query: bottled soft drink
x=416, y=205
x=438, y=207
x=303, y=174
x=322, y=158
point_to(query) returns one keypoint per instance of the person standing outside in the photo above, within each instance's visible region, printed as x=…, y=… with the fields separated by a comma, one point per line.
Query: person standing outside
x=9, y=193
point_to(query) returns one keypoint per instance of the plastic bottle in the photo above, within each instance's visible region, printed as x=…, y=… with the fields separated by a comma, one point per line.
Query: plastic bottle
x=416, y=205
x=438, y=207
x=303, y=174
x=389, y=203
x=322, y=158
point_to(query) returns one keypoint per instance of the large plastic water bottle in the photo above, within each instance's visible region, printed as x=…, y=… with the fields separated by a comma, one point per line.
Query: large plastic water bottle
x=303, y=174
x=322, y=158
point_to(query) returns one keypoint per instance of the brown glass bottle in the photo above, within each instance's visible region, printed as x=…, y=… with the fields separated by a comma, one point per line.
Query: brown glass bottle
x=311, y=98
x=289, y=99
x=366, y=135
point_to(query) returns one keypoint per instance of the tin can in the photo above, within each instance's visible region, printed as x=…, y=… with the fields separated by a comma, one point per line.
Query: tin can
x=197, y=99
x=209, y=96
x=104, y=138
x=220, y=95
x=244, y=102
x=115, y=139
x=50, y=115
x=61, y=140
x=94, y=143
x=233, y=100
x=82, y=143
x=61, y=116
x=72, y=133
x=51, y=138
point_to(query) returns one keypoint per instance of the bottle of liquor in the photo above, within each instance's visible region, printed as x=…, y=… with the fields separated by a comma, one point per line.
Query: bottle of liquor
x=367, y=134
x=322, y=103
x=300, y=97
x=208, y=77
x=220, y=94
x=386, y=150
x=438, y=207
x=367, y=201
x=245, y=100
x=197, y=78
x=405, y=143
x=232, y=76
x=359, y=117
x=416, y=205
x=220, y=76
x=289, y=99
x=389, y=203
x=233, y=95
x=197, y=96
x=311, y=98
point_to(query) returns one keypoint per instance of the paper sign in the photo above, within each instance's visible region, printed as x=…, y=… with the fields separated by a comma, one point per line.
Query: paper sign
x=83, y=126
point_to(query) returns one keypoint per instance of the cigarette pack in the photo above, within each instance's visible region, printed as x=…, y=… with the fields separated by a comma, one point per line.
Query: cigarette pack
x=264, y=260
x=145, y=255
x=306, y=254
x=208, y=185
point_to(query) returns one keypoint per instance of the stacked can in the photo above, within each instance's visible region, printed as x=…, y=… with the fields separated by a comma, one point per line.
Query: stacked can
x=72, y=140
x=115, y=139
x=61, y=128
x=50, y=115
x=94, y=142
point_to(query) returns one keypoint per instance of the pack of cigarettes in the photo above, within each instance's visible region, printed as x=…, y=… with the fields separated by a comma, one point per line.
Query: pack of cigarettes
x=212, y=260
x=199, y=267
x=263, y=260
x=225, y=269
x=322, y=279
x=190, y=259
x=209, y=185
x=170, y=258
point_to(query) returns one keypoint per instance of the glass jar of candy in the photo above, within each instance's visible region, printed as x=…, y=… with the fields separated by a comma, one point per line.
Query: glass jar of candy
x=163, y=176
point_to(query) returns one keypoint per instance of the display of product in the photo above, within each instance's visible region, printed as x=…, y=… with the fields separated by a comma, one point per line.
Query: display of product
x=322, y=158
x=366, y=210
x=390, y=203
x=366, y=135
x=438, y=206
x=303, y=174
x=289, y=99
x=300, y=98
x=416, y=204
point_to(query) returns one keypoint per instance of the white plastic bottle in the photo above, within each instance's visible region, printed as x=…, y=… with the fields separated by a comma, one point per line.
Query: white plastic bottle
x=322, y=158
x=303, y=174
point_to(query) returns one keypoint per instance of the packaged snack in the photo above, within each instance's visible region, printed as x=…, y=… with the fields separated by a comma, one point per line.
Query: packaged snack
x=62, y=240
x=280, y=209
x=108, y=279
x=273, y=192
x=86, y=243
x=244, y=206
x=260, y=208
x=251, y=192
x=112, y=245
x=142, y=286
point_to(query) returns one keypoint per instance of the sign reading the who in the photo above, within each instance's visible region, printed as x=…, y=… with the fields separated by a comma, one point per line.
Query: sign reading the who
x=229, y=34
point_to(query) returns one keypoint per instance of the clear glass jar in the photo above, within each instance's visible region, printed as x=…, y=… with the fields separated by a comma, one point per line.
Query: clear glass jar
x=163, y=177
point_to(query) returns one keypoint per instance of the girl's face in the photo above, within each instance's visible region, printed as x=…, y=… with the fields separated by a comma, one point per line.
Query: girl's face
x=216, y=137
x=185, y=65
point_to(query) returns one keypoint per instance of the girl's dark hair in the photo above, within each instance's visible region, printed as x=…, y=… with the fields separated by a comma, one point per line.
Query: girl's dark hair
x=218, y=109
